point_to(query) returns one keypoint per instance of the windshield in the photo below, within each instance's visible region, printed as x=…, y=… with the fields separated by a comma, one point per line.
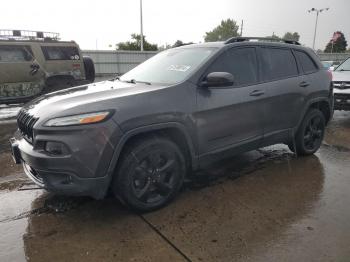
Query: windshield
x=345, y=66
x=169, y=67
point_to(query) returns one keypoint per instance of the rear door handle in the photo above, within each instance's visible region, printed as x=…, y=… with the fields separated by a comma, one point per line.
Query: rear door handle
x=304, y=84
x=257, y=93
x=34, y=68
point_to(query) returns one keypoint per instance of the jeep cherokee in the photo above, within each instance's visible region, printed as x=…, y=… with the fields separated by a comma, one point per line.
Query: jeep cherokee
x=142, y=134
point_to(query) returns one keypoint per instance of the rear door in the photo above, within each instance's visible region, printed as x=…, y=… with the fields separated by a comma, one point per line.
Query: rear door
x=309, y=71
x=232, y=115
x=17, y=77
x=63, y=60
x=285, y=94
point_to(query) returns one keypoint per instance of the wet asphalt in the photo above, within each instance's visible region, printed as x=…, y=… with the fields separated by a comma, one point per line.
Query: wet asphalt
x=265, y=205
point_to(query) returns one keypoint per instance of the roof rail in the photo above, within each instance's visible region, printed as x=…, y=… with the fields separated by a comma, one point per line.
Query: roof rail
x=270, y=39
x=7, y=34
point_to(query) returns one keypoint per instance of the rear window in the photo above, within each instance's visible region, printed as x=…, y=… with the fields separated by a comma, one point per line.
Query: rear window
x=307, y=64
x=278, y=63
x=60, y=52
x=15, y=54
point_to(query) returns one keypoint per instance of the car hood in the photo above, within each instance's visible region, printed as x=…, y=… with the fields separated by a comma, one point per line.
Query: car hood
x=341, y=76
x=87, y=98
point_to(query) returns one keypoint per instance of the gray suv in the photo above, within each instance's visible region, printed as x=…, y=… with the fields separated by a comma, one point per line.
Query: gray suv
x=142, y=134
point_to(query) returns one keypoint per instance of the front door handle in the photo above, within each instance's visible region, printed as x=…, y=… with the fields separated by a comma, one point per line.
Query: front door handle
x=304, y=84
x=257, y=93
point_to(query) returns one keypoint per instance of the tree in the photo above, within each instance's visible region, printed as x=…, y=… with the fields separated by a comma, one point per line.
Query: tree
x=337, y=44
x=135, y=44
x=227, y=29
x=291, y=36
x=177, y=43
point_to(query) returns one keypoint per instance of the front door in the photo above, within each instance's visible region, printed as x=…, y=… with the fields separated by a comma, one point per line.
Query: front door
x=232, y=115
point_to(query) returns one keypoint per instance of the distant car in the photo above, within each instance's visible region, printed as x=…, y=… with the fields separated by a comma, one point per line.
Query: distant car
x=341, y=83
x=140, y=135
x=33, y=63
x=327, y=64
x=330, y=64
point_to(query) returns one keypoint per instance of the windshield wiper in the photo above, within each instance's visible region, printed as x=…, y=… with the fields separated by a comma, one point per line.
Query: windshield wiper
x=133, y=81
x=114, y=78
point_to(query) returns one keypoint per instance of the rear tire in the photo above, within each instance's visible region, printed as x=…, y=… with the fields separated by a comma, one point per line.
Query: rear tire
x=89, y=69
x=310, y=134
x=150, y=174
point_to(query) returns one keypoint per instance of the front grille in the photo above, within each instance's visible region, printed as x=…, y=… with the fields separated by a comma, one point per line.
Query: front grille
x=25, y=123
x=341, y=84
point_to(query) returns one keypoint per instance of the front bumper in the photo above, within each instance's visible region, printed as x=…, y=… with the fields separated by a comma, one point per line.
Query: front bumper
x=83, y=172
x=342, y=101
x=67, y=184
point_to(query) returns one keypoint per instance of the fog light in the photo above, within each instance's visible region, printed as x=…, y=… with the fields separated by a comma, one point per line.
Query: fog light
x=56, y=148
x=68, y=180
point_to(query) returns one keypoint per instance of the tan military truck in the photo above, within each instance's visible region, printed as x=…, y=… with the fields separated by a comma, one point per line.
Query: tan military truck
x=34, y=63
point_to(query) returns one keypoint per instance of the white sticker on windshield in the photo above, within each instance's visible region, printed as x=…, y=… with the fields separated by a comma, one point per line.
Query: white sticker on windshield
x=180, y=68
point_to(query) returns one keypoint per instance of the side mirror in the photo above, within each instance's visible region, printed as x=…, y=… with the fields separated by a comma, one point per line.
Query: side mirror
x=331, y=68
x=218, y=79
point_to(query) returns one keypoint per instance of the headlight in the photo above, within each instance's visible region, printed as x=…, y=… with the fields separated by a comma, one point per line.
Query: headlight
x=78, y=119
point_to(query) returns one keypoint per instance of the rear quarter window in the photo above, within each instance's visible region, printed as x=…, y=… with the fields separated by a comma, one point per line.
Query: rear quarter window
x=306, y=62
x=278, y=63
x=15, y=54
x=61, y=52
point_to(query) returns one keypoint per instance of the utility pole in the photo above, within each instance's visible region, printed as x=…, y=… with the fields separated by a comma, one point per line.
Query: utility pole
x=318, y=11
x=242, y=28
x=141, y=22
x=332, y=46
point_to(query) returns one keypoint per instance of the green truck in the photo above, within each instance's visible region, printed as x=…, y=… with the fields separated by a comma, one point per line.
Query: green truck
x=33, y=63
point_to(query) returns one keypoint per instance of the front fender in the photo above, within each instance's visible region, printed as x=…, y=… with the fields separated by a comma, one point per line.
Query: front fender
x=152, y=128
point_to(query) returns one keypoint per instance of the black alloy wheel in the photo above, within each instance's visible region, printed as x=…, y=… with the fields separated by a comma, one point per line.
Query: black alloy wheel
x=310, y=134
x=150, y=174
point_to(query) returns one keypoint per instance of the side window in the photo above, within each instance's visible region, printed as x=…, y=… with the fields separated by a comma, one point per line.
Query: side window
x=241, y=63
x=15, y=54
x=307, y=64
x=60, y=53
x=278, y=63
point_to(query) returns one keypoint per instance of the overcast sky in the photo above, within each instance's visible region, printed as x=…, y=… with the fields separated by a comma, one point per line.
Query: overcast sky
x=106, y=22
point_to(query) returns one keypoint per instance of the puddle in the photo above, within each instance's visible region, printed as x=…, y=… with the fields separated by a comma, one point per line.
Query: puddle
x=11, y=240
x=8, y=112
x=14, y=207
x=260, y=206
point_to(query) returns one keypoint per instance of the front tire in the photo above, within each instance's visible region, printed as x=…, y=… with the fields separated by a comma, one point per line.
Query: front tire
x=310, y=134
x=150, y=174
